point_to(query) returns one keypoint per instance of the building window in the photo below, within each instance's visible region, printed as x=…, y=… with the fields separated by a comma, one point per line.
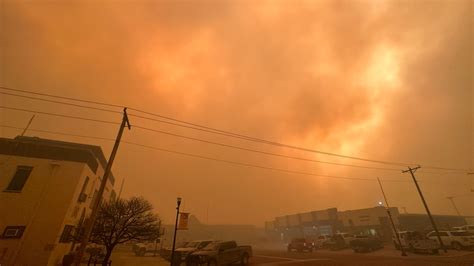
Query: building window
x=19, y=179
x=82, y=195
x=67, y=236
x=13, y=231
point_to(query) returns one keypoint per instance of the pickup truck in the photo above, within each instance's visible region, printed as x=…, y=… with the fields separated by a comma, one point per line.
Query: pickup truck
x=414, y=241
x=454, y=239
x=364, y=243
x=220, y=253
x=300, y=245
x=183, y=252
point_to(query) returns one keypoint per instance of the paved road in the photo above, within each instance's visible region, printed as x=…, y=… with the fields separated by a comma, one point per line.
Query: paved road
x=275, y=257
x=384, y=257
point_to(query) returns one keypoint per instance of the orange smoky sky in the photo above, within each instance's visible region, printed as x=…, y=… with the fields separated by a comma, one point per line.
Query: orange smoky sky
x=388, y=80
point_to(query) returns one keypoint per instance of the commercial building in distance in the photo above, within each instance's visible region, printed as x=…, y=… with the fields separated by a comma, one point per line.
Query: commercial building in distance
x=373, y=221
x=46, y=190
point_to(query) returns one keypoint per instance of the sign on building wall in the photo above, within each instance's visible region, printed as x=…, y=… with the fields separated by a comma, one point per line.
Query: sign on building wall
x=183, y=221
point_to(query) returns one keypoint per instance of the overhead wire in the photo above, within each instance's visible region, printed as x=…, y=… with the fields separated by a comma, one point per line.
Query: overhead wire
x=59, y=115
x=206, y=157
x=207, y=141
x=195, y=126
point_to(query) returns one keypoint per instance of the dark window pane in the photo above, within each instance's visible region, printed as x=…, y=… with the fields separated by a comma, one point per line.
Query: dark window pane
x=19, y=179
x=13, y=231
x=66, y=236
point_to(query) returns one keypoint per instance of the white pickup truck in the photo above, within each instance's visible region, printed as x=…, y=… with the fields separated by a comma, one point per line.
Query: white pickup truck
x=414, y=241
x=454, y=239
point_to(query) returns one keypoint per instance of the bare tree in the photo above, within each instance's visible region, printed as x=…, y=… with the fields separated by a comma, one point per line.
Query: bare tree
x=120, y=221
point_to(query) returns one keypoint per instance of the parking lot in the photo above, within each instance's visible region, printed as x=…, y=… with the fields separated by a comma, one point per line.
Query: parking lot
x=277, y=255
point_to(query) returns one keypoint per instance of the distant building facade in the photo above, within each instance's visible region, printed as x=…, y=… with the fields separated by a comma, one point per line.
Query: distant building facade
x=46, y=190
x=373, y=221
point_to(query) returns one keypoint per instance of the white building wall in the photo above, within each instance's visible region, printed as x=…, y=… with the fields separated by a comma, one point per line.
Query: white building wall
x=45, y=204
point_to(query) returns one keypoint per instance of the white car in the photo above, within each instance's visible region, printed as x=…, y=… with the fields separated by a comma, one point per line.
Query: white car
x=469, y=228
x=454, y=239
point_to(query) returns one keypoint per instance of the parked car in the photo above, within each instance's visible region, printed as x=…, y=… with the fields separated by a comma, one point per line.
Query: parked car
x=300, y=245
x=220, y=253
x=337, y=242
x=365, y=243
x=454, y=239
x=140, y=249
x=184, y=251
x=469, y=228
x=321, y=241
x=347, y=237
x=414, y=241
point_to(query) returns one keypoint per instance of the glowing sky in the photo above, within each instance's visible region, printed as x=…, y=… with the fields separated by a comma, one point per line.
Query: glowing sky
x=389, y=80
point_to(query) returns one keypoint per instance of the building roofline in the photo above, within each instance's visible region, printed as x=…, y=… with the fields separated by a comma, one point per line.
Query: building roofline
x=56, y=150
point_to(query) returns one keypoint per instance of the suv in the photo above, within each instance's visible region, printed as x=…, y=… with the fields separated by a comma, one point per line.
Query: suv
x=300, y=245
x=454, y=239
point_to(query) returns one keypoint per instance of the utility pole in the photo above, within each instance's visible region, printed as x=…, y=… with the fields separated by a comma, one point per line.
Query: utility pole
x=178, y=203
x=96, y=204
x=412, y=172
x=451, y=198
x=391, y=219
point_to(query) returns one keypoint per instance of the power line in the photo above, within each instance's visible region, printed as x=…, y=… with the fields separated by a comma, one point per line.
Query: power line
x=205, y=157
x=59, y=115
x=208, y=158
x=62, y=97
x=58, y=102
x=263, y=152
x=235, y=135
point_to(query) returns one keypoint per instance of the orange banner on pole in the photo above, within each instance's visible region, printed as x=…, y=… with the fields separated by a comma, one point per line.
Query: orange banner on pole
x=183, y=221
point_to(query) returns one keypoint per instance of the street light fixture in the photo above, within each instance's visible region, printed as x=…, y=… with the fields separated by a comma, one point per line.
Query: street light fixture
x=178, y=203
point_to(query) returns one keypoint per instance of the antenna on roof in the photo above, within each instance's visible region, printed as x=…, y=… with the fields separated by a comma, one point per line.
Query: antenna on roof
x=28, y=125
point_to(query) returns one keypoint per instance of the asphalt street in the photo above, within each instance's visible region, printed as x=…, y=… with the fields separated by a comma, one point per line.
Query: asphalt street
x=384, y=257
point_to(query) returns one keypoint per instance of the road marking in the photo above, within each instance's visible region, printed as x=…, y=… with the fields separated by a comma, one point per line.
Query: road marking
x=291, y=261
x=274, y=257
x=288, y=260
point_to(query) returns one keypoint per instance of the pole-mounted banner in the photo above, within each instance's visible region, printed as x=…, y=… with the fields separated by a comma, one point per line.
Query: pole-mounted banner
x=183, y=221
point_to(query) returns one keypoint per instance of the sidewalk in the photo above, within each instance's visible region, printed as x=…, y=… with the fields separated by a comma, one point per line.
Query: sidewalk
x=128, y=258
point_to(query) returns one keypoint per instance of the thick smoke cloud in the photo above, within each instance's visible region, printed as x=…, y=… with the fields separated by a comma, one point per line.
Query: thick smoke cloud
x=389, y=80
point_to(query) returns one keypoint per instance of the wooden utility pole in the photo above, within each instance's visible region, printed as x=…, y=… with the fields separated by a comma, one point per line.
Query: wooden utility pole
x=391, y=219
x=412, y=172
x=96, y=204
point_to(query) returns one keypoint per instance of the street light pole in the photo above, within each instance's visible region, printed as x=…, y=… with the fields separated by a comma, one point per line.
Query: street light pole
x=391, y=219
x=178, y=203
